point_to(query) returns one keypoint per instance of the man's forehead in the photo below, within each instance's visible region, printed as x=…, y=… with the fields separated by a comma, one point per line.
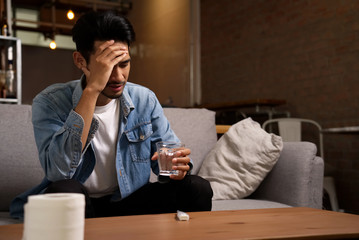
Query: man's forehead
x=97, y=43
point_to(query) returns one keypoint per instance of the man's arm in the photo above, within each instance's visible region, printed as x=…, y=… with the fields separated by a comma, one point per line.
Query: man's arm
x=85, y=108
x=57, y=130
x=163, y=132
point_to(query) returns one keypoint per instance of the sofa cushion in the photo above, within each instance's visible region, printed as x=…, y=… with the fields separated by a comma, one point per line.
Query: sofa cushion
x=19, y=165
x=240, y=160
x=297, y=177
x=237, y=204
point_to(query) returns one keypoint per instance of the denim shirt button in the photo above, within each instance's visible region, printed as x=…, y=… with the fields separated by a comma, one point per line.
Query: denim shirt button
x=142, y=137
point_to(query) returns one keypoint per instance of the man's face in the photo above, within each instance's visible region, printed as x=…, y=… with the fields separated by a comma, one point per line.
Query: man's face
x=119, y=74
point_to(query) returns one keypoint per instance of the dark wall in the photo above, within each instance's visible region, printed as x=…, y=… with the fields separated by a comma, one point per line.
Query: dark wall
x=306, y=52
x=42, y=67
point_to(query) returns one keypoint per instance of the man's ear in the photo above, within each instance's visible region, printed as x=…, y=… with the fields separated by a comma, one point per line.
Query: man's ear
x=79, y=60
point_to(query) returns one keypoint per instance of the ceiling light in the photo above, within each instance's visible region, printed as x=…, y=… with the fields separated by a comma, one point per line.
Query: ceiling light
x=52, y=45
x=70, y=14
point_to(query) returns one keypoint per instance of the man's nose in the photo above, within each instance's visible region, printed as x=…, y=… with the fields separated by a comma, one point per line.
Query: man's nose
x=117, y=72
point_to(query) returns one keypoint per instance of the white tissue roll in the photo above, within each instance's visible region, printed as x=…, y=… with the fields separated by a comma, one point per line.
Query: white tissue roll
x=55, y=216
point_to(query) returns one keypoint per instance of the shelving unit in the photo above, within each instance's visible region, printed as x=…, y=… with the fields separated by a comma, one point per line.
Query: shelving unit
x=5, y=43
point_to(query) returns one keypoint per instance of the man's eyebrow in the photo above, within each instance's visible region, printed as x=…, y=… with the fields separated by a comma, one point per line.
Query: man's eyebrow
x=125, y=61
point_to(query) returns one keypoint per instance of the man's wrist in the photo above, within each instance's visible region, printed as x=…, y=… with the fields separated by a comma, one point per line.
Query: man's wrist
x=91, y=91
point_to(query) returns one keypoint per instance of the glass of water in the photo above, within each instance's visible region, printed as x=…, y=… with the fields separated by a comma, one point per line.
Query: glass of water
x=166, y=152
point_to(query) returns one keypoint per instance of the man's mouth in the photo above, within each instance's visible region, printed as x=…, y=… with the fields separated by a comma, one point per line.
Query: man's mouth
x=116, y=86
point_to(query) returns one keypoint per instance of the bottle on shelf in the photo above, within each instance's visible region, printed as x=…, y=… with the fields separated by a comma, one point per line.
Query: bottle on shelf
x=10, y=75
x=2, y=73
x=4, y=25
x=4, y=30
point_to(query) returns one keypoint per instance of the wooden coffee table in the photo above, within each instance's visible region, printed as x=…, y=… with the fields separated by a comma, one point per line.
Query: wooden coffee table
x=280, y=223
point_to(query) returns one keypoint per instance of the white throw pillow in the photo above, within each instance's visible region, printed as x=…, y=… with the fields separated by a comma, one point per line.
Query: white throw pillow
x=240, y=160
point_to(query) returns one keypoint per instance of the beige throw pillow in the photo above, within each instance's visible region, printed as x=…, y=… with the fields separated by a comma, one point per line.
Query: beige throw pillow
x=240, y=160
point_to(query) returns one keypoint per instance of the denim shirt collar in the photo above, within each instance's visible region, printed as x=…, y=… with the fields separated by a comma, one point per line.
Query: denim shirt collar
x=126, y=101
x=78, y=92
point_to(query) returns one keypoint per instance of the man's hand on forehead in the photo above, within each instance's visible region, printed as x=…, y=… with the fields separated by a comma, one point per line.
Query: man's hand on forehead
x=110, y=44
x=107, y=55
x=110, y=51
x=122, y=45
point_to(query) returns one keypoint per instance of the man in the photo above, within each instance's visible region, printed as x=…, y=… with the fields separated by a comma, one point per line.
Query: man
x=97, y=135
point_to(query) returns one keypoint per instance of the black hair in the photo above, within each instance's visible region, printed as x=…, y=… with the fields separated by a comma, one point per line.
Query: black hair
x=100, y=26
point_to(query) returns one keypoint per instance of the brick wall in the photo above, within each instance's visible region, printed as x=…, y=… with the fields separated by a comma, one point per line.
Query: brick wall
x=303, y=51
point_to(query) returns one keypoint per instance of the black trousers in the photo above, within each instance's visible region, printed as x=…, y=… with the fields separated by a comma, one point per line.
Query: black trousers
x=193, y=193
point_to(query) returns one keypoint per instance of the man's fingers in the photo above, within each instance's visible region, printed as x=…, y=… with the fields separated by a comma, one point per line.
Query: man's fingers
x=104, y=46
x=155, y=156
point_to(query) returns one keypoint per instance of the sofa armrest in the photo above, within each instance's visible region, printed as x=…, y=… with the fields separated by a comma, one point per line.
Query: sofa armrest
x=296, y=179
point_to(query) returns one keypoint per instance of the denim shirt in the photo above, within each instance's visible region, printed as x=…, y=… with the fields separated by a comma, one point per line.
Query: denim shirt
x=58, y=129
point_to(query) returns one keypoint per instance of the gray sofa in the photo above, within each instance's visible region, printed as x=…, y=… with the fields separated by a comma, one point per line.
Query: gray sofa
x=295, y=181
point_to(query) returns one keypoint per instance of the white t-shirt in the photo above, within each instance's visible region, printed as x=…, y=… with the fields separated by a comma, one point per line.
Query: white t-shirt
x=103, y=179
